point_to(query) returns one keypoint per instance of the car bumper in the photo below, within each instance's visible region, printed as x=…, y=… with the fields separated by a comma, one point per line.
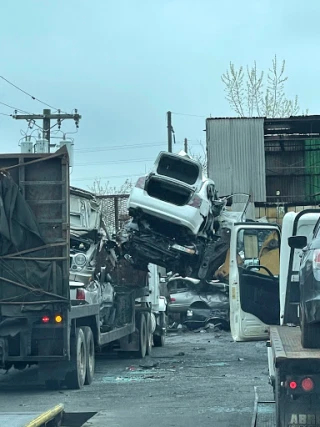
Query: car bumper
x=312, y=310
x=177, y=308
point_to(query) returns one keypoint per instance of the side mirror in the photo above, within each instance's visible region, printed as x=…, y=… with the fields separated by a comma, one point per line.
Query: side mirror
x=297, y=242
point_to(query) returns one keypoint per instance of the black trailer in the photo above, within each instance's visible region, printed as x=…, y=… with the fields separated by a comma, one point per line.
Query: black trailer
x=38, y=323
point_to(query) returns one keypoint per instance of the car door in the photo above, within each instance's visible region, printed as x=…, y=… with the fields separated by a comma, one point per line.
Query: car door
x=254, y=280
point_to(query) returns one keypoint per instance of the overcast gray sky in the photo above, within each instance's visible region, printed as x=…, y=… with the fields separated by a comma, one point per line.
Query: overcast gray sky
x=124, y=63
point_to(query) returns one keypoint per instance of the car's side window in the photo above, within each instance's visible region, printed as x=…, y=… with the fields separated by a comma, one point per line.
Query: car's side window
x=260, y=248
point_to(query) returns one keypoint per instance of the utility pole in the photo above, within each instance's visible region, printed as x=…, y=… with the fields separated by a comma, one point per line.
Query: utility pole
x=169, y=125
x=46, y=118
x=186, y=145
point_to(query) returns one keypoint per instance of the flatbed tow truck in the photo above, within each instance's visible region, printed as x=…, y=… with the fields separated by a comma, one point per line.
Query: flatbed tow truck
x=289, y=356
x=294, y=371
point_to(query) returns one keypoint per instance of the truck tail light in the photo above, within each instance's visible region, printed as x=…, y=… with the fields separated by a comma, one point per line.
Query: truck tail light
x=307, y=384
x=195, y=201
x=293, y=385
x=316, y=264
x=45, y=319
x=81, y=295
x=58, y=318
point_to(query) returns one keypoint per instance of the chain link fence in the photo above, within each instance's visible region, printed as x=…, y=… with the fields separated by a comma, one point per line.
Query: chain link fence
x=115, y=212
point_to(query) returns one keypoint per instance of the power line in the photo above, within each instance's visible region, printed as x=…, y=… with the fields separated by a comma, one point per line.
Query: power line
x=4, y=114
x=107, y=177
x=114, y=162
x=189, y=115
x=28, y=94
x=116, y=147
x=122, y=147
x=14, y=108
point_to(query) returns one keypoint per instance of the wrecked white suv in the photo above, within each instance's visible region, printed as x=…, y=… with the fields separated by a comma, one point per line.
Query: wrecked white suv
x=176, y=192
x=174, y=212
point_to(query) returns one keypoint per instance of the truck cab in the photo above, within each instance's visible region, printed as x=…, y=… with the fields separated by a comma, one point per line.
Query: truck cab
x=264, y=274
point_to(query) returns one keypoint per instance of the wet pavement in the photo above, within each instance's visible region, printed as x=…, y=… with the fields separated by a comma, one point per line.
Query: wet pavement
x=196, y=379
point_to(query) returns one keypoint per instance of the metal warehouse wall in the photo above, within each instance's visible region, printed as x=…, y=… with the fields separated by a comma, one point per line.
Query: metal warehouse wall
x=236, y=160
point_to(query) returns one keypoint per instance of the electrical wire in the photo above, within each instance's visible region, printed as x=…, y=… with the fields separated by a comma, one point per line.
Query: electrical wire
x=108, y=177
x=4, y=114
x=31, y=96
x=114, y=162
x=14, y=108
x=189, y=115
x=123, y=147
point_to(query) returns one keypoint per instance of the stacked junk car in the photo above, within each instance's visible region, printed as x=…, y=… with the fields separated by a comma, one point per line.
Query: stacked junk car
x=179, y=222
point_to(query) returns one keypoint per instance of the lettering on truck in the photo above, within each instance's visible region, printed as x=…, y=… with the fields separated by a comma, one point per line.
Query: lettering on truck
x=304, y=420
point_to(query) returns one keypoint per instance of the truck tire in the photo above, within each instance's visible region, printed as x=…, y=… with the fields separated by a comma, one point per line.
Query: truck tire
x=142, y=327
x=310, y=333
x=159, y=340
x=76, y=377
x=91, y=357
x=149, y=334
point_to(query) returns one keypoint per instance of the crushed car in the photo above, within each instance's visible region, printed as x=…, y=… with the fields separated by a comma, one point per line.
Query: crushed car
x=97, y=268
x=176, y=219
x=198, y=303
x=88, y=255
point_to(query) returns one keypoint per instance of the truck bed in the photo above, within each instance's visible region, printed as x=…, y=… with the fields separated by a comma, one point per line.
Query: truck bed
x=286, y=344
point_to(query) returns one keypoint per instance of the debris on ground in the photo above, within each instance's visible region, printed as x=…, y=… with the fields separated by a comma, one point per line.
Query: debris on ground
x=149, y=365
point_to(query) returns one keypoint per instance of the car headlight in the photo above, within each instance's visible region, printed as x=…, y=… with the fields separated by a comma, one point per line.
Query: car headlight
x=189, y=313
x=80, y=260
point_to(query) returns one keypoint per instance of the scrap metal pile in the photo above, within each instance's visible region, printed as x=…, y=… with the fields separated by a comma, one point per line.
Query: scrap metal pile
x=177, y=220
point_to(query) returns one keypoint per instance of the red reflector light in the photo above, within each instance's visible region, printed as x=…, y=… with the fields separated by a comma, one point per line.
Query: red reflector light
x=81, y=295
x=307, y=384
x=45, y=319
x=292, y=385
x=172, y=299
x=141, y=181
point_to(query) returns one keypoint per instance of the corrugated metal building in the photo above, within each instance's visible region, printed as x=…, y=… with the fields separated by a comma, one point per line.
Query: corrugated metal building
x=274, y=160
x=235, y=149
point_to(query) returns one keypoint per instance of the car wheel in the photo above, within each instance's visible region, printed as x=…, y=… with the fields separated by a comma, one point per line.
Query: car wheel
x=149, y=334
x=159, y=340
x=142, y=327
x=90, y=365
x=310, y=333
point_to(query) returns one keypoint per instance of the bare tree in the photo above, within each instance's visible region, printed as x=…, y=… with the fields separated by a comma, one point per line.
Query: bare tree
x=200, y=157
x=259, y=94
x=101, y=189
x=108, y=205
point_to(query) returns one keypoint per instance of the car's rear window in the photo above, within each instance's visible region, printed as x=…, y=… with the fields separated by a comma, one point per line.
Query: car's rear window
x=179, y=169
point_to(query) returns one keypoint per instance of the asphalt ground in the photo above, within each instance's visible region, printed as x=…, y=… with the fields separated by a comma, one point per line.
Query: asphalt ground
x=198, y=379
